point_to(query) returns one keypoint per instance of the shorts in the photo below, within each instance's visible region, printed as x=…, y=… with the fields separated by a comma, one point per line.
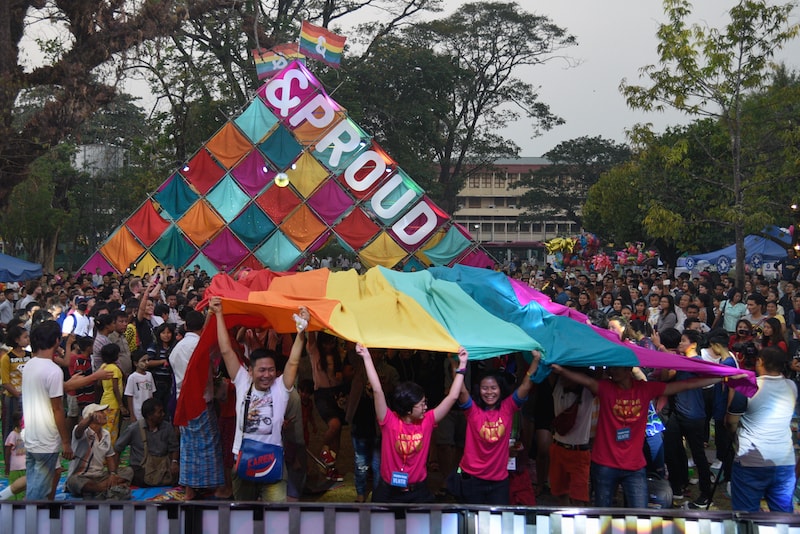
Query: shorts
x=569, y=472
x=327, y=402
x=72, y=406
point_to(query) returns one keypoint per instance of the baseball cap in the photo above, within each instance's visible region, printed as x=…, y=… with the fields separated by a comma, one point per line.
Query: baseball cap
x=94, y=407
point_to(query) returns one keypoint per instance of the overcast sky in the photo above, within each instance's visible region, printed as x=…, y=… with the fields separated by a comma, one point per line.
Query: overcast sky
x=615, y=39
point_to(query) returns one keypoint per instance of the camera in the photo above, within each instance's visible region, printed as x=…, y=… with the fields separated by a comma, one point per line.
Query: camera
x=749, y=352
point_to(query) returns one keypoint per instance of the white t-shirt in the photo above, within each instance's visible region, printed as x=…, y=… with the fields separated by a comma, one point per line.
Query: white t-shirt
x=42, y=380
x=140, y=387
x=78, y=324
x=765, y=435
x=266, y=412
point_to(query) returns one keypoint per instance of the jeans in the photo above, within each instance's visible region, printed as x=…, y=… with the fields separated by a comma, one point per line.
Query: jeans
x=490, y=492
x=606, y=479
x=774, y=483
x=40, y=468
x=367, y=454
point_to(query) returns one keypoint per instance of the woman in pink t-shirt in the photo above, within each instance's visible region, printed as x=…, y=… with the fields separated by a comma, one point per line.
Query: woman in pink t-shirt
x=484, y=467
x=406, y=433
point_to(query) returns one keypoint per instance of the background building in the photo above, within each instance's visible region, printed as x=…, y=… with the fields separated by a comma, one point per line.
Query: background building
x=489, y=206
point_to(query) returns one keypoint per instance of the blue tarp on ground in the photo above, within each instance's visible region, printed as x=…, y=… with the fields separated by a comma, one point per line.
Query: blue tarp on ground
x=16, y=270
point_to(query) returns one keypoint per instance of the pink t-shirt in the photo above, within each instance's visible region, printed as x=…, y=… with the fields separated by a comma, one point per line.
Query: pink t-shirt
x=404, y=446
x=621, y=422
x=486, y=445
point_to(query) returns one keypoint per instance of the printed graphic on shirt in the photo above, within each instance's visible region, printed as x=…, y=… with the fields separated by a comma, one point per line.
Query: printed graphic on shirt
x=627, y=410
x=492, y=431
x=408, y=444
x=259, y=416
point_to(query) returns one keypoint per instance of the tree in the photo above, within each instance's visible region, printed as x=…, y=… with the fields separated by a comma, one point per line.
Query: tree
x=706, y=72
x=559, y=189
x=438, y=92
x=92, y=35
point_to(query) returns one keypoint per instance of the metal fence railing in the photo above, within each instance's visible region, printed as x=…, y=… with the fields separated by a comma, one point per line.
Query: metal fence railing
x=88, y=517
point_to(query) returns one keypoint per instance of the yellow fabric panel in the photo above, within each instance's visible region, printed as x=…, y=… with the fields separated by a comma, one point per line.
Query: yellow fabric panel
x=382, y=251
x=369, y=303
x=145, y=265
x=307, y=175
x=200, y=223
x=229, y=145
x=122, y=249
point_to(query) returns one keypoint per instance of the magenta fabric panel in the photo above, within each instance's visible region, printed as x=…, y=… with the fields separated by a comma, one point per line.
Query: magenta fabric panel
x=330, y=202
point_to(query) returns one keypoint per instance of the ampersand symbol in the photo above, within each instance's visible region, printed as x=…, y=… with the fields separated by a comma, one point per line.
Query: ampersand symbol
x=279, y=93
x=279, y=63
x=321, y=45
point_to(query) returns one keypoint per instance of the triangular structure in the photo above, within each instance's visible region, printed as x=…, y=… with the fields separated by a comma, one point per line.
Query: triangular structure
x=223, y=208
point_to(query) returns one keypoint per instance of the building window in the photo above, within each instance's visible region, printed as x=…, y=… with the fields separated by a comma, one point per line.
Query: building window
x=550, y=228
x=500, y=181
x=537, y=228
x=486, y=181
x=474, y=181
x=525, y=228
x=474, y=202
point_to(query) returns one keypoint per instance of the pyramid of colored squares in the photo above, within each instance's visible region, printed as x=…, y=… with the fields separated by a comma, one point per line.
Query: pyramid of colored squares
x=223, y=209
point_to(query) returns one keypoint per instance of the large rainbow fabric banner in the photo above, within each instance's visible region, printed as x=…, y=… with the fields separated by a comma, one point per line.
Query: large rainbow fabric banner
x=223, y=210
x=319, y=43
x=438, y=309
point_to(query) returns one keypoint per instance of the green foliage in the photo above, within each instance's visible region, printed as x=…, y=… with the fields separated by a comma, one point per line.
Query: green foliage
x=436, y=93
x=710, y=72
x=559, y=189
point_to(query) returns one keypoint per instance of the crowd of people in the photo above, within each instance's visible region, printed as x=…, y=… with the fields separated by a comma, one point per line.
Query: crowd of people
x=100, y=359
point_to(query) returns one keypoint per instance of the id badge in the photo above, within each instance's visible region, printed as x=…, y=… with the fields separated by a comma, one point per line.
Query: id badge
x=399, y=479
x=623, y=434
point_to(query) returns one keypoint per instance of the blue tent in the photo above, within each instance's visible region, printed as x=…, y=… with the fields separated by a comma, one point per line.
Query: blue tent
x=16, y=270
x=758, y=251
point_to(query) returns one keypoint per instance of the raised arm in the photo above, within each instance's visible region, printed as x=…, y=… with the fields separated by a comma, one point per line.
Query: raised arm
x=578, y=378
x=443, y=408
x=229, y=356
x=372, y=375
x=525, y=387
x=290, y=371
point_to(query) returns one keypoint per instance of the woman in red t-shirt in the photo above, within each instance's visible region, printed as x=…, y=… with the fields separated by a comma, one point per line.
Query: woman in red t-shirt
x=406, y=433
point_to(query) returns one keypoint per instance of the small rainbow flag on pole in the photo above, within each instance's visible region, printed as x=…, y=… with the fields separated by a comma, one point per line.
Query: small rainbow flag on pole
x=318, y=43
x=270, y=61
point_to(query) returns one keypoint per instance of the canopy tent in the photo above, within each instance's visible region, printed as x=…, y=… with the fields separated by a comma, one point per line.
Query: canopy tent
x=16, y=270
x=758, y=251
x=277, y=182
x=437, y=309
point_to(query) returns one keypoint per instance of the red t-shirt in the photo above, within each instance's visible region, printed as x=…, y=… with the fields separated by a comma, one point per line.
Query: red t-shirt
x=486, y=445
x=78, y=365
x=404, y=446
x=621, y=422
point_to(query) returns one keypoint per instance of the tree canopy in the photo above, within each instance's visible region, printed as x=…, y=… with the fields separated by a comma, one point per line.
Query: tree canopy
x=710, y=72
x=559, y=189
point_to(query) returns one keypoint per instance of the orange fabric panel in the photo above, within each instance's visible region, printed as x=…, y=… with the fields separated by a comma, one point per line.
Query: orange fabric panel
x=122, y=249
x=200, y=223
x=229, y=145
x=303, y=227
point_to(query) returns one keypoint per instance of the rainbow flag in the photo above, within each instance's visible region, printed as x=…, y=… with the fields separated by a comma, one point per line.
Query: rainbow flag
x=318, y=43
x=270, y=61
x=437, y=309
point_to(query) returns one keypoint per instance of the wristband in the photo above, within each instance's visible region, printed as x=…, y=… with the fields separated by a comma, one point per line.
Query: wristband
x=174, y=461
x=529, y=375
x=461, y=371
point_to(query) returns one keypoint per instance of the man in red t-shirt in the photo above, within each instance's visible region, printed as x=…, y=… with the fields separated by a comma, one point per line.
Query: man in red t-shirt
x=617, y=453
